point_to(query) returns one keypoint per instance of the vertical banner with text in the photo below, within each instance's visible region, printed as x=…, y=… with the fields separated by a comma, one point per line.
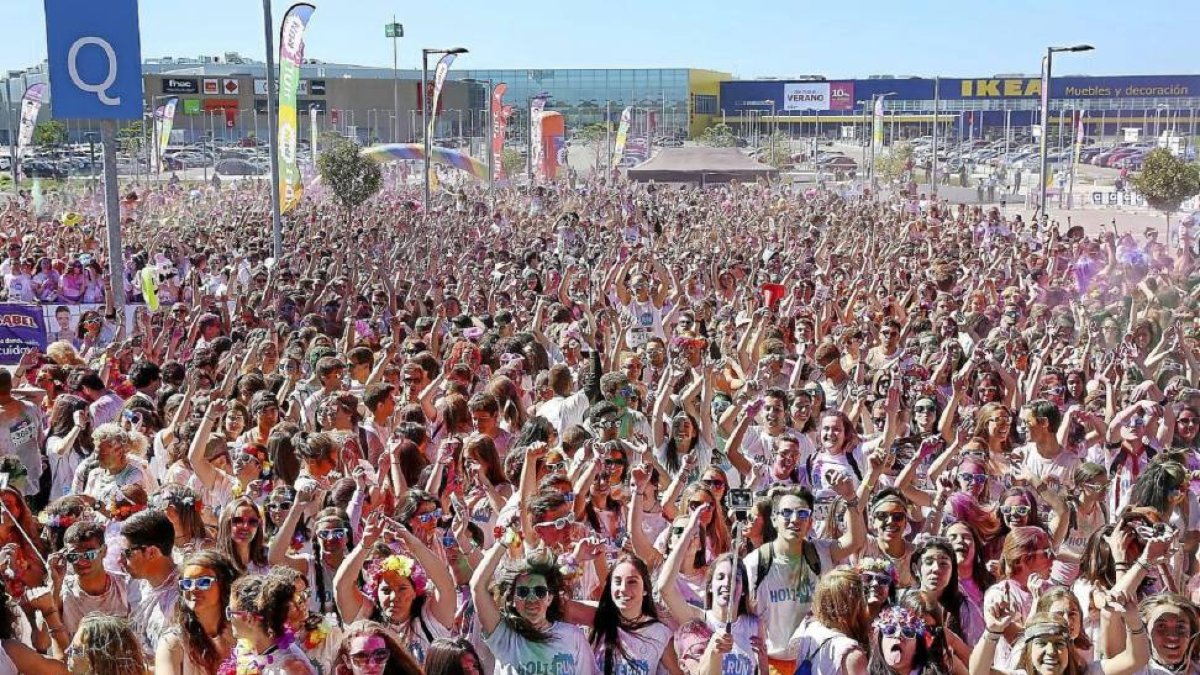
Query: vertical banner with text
x=312, y=133
x=877, y=125
x=536, y=107
x=499, y=126
x=291, y=55
x=622, y=136
x=439, y=79
x=31, y=102
x=164, y=119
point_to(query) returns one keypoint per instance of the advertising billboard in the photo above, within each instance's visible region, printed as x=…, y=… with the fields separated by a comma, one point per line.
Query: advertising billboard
x=841, y=96
x=806, y=96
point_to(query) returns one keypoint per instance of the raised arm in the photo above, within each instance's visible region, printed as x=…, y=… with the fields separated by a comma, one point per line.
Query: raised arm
x=485, y=605
x=667, y=583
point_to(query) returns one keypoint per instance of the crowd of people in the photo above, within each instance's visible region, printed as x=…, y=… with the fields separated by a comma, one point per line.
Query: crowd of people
x=599, y=428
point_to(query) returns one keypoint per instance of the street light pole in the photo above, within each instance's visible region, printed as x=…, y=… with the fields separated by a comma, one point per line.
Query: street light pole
x=395, y=31
x=1047, y=75
x=273, y=132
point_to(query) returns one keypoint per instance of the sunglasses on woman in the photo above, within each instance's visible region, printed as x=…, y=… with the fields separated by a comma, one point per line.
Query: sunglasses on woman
x=524, y=592
x=335, y=533
x=430, y=517
x=714, y=483
x=279, y=506
x=973, y=478
x=375, y=658
x=794, y=514
x=238, y=521
x=893, y=630
x=1019, y=510
x=196, y=583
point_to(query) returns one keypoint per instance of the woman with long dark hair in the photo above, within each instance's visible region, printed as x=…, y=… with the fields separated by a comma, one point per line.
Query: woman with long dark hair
x=452, y=656
x=523, y=623
x=900, y=645
x=240, y=536
x=68, y=441
x=935, y=568
x=626, y=635
x=415, y=598
x=202, y=637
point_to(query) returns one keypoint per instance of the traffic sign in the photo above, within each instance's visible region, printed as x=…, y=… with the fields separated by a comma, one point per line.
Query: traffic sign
x=95, y=59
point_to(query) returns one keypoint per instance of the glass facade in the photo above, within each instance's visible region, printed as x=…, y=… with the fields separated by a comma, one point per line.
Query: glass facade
x=586, y=96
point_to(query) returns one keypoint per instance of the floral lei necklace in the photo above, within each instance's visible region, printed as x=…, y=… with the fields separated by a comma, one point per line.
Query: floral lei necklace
x=316, y=636
x=245, y=660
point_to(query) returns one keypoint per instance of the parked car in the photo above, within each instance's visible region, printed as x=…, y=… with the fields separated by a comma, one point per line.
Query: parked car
x=237, y=167
x=34, y=169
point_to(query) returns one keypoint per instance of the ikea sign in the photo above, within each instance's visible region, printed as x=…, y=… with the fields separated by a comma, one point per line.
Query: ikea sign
x=1021, y=87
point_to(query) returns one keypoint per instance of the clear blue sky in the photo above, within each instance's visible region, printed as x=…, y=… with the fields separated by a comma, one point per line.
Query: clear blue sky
x=747, y=37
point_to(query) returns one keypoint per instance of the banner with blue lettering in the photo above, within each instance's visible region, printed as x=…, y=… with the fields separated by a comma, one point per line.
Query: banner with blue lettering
x=22, y=328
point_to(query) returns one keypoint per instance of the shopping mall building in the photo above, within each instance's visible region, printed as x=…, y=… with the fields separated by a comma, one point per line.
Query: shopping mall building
x=227, y=96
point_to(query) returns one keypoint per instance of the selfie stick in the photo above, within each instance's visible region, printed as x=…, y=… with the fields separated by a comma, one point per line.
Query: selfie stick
x=737, y=577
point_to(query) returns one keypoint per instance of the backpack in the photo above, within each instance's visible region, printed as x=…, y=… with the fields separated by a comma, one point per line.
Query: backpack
x=766, y=558
x=804, y=666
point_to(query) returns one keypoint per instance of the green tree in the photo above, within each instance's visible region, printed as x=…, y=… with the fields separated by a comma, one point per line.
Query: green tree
x=131, y=137
x=353, y=178
x=512, y=161
x=1165, y=181
x=50, y=132
x=593, y=135
x=718, y=136
x=777, y=150
x=892, y=165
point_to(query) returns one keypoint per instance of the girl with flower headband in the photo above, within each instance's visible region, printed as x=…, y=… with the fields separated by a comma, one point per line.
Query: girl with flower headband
x=415, y=598
x=900, y=645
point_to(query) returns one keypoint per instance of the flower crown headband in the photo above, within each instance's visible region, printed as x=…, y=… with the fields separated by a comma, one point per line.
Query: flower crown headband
x=878, y=565
x=401, y=565
x=900, y=617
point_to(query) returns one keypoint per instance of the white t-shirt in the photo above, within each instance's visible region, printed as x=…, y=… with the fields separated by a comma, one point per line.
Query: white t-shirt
x=566, y=653
x=565, y=411
x=783, y=597
x=1061, y=467
x=643, y=651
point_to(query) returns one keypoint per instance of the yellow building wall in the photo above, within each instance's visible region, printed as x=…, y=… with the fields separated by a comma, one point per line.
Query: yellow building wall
x=705, y=83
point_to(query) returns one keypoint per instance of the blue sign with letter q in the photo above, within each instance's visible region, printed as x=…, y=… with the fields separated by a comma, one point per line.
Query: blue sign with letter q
x=95, y=58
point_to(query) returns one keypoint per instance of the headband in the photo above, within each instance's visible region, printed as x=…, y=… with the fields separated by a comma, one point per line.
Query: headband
x=1048, y=629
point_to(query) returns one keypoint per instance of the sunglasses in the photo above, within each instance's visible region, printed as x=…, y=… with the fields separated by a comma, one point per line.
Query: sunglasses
x=244, y=459
x=279, y=506
x=894, y=630
x=885, y=517
x=973, y=478
x=75, y=556
x=1019, y=510
x=525, y=592
x=559, y=524
x=696, y=504
x=128, y=553
x=374, y=658
x=875, y=579
x=615, y=462
x=715, y=483
x=925, y=409
x=430, y=517
x=231, y=612
x=555, y=467
x=602, y=424
x=335, y=533
x=794, y=514
x=196, y=584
